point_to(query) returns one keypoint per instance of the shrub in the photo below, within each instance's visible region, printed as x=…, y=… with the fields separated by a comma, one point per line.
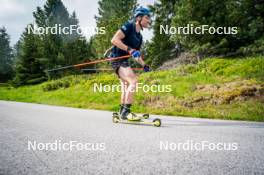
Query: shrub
x=54, y=85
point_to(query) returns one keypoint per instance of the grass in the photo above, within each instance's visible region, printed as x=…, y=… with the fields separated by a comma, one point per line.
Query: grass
x=77, y=91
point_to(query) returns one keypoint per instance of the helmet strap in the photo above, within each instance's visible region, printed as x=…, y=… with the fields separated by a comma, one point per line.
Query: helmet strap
x=140, y=23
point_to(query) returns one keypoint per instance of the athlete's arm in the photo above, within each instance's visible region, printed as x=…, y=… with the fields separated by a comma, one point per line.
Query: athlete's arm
x=117, y=40
x=141, y=61
x=146, y=67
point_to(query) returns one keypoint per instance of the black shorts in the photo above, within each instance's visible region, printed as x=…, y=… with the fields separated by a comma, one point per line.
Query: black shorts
x=119, y=63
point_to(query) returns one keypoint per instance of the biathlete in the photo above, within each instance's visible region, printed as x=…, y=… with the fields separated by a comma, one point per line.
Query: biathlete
x=128, y=40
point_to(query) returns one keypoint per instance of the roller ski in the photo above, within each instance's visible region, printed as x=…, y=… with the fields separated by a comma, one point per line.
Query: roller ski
x=126, y=116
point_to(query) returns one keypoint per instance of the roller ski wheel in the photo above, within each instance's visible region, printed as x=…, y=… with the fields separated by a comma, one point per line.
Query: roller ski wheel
x=115, y=118
x=157, y=122
x=145, y=116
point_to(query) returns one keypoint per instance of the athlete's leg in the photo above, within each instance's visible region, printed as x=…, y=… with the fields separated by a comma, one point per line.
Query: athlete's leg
x=124, y=86
x=127, y=75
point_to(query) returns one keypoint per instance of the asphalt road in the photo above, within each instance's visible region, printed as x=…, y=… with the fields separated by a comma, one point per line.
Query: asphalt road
x=31, y=136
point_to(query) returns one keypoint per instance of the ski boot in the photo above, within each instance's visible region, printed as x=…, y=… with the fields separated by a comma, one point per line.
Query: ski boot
x=126, y=114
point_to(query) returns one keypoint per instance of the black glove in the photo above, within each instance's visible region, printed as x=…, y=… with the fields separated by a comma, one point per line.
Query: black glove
x=146, y=68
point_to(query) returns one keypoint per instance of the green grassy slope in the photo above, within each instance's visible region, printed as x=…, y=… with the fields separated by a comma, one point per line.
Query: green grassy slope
x=214, y=88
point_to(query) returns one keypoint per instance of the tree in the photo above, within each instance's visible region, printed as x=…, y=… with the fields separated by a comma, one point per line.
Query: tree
x=29, y=66
x=61, y=49
x=55, y=13
x=161, y=48
x=246, y=15
x=6, y=70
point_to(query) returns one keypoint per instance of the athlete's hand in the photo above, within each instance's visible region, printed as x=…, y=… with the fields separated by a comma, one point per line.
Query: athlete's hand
x=146, y=68
x=135, y=53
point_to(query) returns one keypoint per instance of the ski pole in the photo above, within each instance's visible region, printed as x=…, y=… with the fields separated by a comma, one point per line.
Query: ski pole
x=102, y=60
x=89, y=63
x=133, y=68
